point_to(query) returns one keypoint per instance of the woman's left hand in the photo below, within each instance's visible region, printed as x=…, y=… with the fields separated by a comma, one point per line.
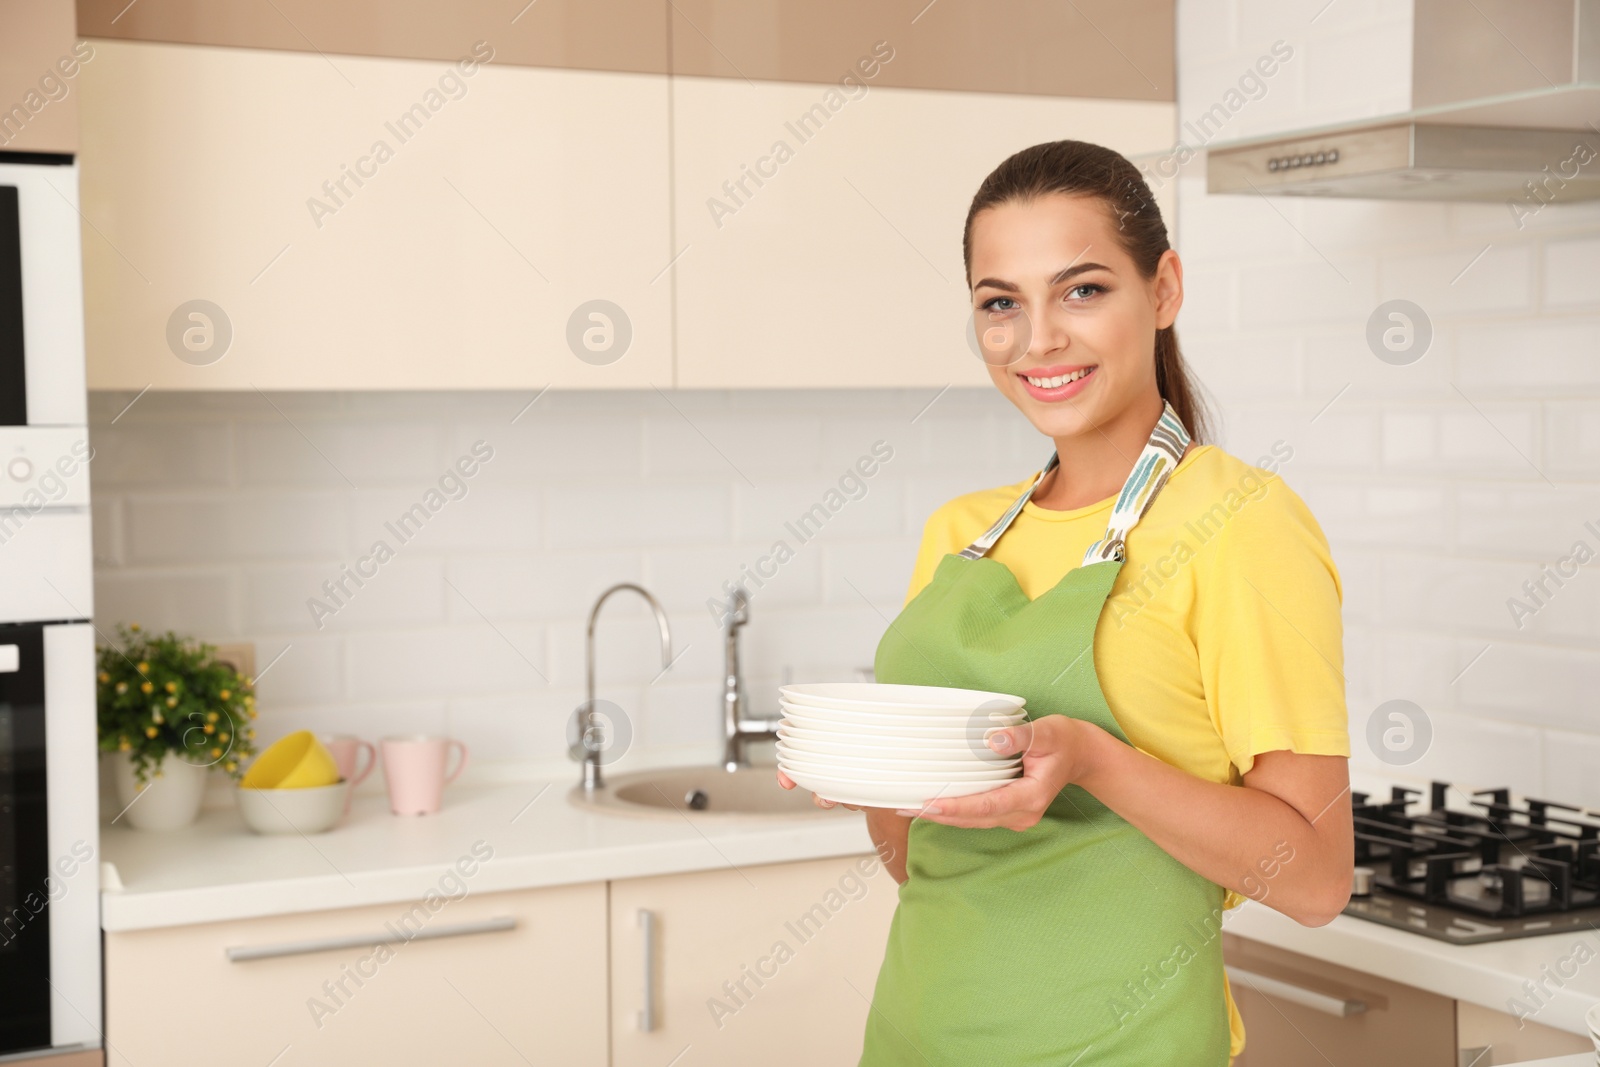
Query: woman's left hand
x=1054, y=754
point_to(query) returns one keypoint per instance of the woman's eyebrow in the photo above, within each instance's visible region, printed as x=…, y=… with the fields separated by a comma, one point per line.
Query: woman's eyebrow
x=1063, y=275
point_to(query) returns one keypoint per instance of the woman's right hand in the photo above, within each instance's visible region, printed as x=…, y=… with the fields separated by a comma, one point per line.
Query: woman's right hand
x=789, y=783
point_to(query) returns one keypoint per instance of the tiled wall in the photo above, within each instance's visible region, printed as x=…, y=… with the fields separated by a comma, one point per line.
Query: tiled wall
x=222, y=515
x=1443, y=485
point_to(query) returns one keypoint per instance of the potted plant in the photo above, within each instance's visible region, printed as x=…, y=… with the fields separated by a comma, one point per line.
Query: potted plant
x=169, y=710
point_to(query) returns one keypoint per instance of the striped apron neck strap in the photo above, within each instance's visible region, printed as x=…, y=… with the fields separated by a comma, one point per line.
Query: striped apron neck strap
x=1150, y=473
x=1155, y=465
x=981, y=546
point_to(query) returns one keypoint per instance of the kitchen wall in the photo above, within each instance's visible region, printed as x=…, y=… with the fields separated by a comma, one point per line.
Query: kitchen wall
x=1443, y=485
x=223, y=515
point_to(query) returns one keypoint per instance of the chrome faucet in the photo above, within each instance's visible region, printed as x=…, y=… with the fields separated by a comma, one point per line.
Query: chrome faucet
x=588, y=726
x=737, y=730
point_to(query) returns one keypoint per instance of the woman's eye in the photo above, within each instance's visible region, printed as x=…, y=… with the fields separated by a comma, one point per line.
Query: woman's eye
x=999, y=303
x=1085, y=291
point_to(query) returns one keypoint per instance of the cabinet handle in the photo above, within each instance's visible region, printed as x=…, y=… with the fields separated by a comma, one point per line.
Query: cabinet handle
x=390, y=936
x=1294, y=994
x=647, y=1015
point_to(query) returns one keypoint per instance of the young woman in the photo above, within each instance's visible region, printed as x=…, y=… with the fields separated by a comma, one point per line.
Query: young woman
x=1171, y=614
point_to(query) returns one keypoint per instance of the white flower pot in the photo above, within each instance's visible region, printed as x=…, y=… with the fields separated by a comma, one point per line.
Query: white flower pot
x=168, y=802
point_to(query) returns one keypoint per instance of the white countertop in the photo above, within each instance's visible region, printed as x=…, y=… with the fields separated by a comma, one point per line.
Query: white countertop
x=217, y=870
x=1488, y=975
x=1577, y=1059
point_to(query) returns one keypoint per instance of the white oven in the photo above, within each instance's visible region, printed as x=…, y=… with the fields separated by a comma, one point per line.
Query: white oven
x=49, y=827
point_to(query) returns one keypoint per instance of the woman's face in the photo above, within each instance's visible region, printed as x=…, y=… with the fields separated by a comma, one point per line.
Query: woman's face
x=1065, y=321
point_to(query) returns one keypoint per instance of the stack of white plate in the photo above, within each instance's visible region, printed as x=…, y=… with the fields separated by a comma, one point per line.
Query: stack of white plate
x=894, y=746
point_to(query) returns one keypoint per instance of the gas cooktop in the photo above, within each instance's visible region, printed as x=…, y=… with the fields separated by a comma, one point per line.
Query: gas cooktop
x=1492, y=872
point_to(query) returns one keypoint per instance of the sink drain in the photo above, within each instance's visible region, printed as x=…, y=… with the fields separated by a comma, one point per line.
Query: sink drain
x=697, y=800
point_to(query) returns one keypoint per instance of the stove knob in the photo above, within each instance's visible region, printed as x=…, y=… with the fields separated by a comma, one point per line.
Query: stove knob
x=20, y=469
x=1361, y=882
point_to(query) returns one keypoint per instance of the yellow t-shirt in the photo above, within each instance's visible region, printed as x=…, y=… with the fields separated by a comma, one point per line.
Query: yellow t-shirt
x=1221, y=638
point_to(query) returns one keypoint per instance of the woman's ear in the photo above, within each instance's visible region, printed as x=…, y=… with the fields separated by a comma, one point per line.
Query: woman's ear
x=1167, y=288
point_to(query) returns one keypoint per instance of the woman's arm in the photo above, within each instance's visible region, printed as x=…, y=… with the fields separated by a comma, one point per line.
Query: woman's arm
x=1284, y=838
x=887, y=828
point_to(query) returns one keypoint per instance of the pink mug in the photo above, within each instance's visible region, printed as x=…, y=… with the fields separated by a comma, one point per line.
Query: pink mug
x=347, y=750
x=414, y=767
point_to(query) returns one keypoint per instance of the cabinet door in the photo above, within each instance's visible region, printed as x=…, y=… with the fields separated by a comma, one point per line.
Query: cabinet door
x=819, y=234
x=535, y=993
x=360, y=223
x=762, y=965
x=1289, y=1001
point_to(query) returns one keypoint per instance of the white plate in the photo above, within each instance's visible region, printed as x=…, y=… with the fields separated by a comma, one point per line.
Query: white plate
x=936, y=750
x=886, y=697
x=874, y=774
x=794, y=751
x=888, y=794
x=968, y=719
x=925, y=747
x=850, y=731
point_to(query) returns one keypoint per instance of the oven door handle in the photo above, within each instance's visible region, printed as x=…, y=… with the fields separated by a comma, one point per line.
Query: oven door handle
x=388, y=937
x=1326, y=1003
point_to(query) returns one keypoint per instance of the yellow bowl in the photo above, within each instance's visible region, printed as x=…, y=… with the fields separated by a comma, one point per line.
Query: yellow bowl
x=297, y=761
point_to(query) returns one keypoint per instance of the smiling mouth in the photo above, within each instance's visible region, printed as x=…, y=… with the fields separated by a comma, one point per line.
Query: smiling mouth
x=1052, y=384
x=1057, y=381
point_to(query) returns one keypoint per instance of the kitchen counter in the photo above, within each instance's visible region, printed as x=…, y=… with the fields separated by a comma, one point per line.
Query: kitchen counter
x=217, y=869
x=1577, y=1059
x=1488, y=975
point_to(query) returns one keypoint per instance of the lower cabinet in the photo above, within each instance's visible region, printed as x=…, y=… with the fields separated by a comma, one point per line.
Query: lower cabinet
x=494, y=978
x=760, y=965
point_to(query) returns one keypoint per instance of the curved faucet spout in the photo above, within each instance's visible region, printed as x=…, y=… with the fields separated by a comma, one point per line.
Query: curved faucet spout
x=591, y=756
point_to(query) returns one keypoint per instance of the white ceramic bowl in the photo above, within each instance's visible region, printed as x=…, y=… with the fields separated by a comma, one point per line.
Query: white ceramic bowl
x=293, y=811
x=925, y=747
x=972, y=718
x=852, y=730
x=867, y=758
x=887, y=794
x=886, y=697
x=877, y=774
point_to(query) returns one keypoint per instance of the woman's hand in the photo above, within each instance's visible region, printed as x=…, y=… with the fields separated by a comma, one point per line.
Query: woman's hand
x=789, y=783
x=1056, y=751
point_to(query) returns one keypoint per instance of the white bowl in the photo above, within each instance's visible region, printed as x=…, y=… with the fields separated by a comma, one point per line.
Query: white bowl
x=866, y=759
x=887, y=697
x=851, y=730
x=887, y=794
x=971, y=718
x=293, y=811
x=924, y=747
x=877, y=774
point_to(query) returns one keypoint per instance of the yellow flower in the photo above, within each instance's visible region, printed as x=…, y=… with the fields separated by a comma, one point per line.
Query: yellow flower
x=225, y=694
x=230, y=766
x=208, y=728
x=150, y=731
x=122, y=687
x=147, y=687
x=252, y=713
x=143, y=666
x=211, y=716
x=216, y=753
x=104, y=677
x=249, y=698
x=222, y=737
x=133, y=626
x=123, y=745
x=172, y=702
x=172, y=687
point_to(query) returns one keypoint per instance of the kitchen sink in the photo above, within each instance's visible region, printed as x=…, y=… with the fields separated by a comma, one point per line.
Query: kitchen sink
x=702, y=792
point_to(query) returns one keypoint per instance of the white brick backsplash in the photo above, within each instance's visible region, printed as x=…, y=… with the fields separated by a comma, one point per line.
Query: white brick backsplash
x=161, y=453
x=1309, y=289
x=535, y=585
x=402, y=592
x=685, y=578
x=879, y=571
x=1558, y=357
x=164, y=599
x=1246, y=368
x=224, y=528
x=1340, y=359
x=1466, y=749
x=1474, y=435
x=447, y=661
x=299, y=669
x=1462, y=281
x=756, y=449
x=1572, y=440
x=1533, y=684
x=1414, y=665
x=1530, y=523
x=774, y=511
x=1471, y=596
x=615, y=515
x=1570, y=760
x=1570, y=271
x=312, y=453
x=1363, y=513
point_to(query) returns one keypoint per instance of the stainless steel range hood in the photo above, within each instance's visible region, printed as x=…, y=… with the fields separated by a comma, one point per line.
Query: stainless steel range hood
x=1505, y=107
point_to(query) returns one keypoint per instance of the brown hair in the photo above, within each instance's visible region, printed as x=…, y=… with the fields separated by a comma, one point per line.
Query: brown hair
x=1077, y=168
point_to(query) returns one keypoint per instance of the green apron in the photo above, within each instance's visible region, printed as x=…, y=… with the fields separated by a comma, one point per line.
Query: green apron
x=1078, y=941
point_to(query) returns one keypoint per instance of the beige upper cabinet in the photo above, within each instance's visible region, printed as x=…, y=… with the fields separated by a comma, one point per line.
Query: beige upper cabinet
x=358, y=223
x=819, y=227
x=40, y=58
